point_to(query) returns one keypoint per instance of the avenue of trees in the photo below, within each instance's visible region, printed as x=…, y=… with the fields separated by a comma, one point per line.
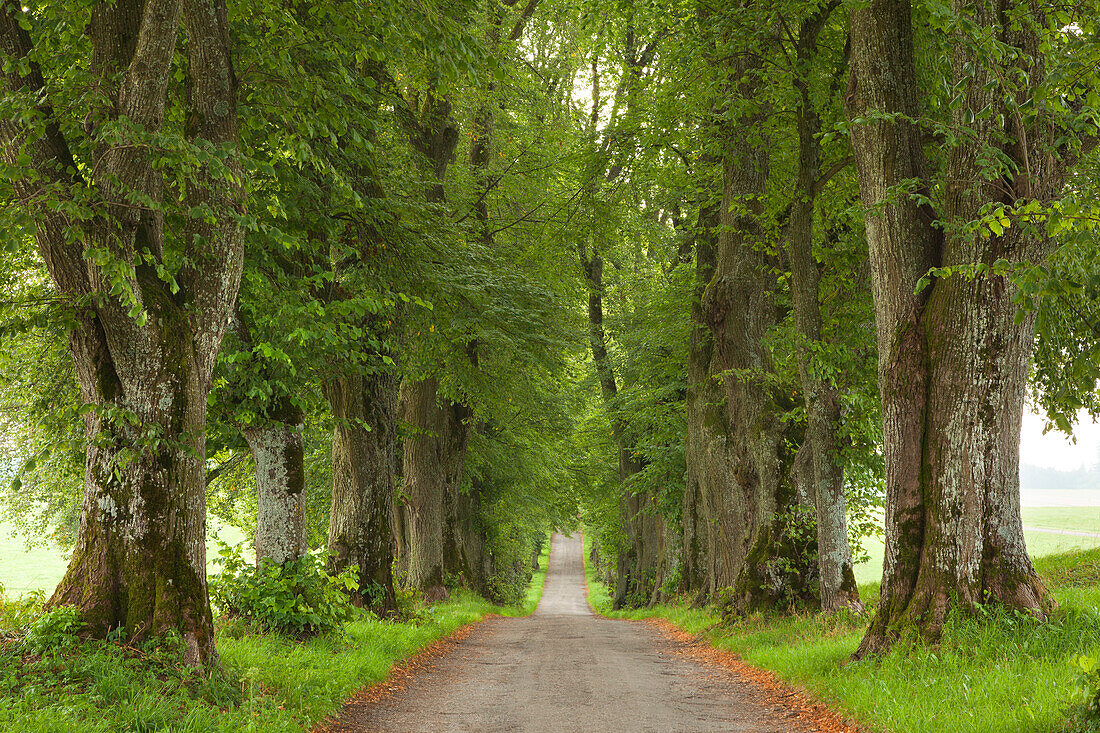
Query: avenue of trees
x=415, y=282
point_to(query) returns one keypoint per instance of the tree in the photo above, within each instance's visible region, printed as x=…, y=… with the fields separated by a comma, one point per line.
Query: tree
x=954, y=351
x=151, y=293
x=820, y=393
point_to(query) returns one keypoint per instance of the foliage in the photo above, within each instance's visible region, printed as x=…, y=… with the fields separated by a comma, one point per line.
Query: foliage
x=56, y=629
x=297, y=598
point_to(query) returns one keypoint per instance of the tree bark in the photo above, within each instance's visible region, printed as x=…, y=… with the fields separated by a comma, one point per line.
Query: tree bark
x=143, y=358
x=702, y=416
x=455, y=440
x=636, y=561
x=749, y=496
x=278, y=451
x=425, y=478
x=952, y=360
x=363, y=454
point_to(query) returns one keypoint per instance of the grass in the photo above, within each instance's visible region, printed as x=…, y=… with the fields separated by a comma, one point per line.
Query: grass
x=1000, y=673
x=1080, y=519
x=267, y=682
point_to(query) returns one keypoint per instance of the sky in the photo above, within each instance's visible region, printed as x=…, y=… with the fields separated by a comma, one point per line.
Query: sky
x=1055, y=449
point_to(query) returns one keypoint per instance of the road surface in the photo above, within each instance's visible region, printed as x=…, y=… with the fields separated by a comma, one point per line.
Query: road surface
x=565, y=669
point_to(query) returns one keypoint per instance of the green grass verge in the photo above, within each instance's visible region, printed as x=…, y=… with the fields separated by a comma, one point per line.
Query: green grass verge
x=998, y=674
x=267, y=682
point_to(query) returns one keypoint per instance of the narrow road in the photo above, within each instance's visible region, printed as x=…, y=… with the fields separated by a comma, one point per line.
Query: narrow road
x=566, y=669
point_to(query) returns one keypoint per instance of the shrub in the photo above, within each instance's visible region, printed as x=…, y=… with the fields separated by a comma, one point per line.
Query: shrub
x=297, y=598
x=56, y=629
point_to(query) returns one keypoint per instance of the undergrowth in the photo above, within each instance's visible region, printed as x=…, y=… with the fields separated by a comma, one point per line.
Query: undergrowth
x=997, y=672
x=267, y=682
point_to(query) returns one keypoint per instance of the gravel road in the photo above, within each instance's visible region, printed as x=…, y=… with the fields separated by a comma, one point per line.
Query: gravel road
x=566, y=669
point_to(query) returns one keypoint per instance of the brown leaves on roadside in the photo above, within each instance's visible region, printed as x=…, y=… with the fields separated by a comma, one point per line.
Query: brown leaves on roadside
x=795, y=705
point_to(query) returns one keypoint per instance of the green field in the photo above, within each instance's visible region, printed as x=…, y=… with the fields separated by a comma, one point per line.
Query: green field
x=23, y=569
x=1039, y=544
x=40, y=568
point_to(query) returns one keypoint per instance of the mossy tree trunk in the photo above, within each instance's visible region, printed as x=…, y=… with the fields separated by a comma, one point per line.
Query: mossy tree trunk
x=364, y=448
x=748, y=492
x=425, y=486
x=953, y=359
x=144, y=353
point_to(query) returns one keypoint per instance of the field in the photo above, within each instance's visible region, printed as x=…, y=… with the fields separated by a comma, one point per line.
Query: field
x=23, y=569
x=1039, y=544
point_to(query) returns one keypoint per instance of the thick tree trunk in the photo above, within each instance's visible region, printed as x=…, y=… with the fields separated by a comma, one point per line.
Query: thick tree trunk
x=140, y=556
x=822, y=400
x=425, y=486
x=702, y=417
x=953, y=532
x=363, y=454
x=279, y=452
x=143, y=358
x=749, y=495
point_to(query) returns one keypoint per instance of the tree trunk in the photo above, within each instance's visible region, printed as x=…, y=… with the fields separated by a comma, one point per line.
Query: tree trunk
x=454, y=442
x=140, y=556
x=474, y=562
x=401, y=537
x=279, y=453
x=363, y=454
x=702, y=416
x=143, y=354
x=635, y=564
x=749, y=495
x=952, y=361
x=425, y=480
x=822, y=399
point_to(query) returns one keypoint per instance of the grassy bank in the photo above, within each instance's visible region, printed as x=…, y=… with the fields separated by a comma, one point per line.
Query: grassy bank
x=998, y=674
x=267, y=682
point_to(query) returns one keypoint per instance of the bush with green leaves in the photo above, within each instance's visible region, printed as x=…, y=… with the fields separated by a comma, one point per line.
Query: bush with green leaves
x=297, y=598
x=56, y=629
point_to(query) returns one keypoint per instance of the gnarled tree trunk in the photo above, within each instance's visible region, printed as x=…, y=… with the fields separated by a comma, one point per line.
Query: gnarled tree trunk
x=143, y=357
x=363, y=453
x=952, y=359
x=749, y=494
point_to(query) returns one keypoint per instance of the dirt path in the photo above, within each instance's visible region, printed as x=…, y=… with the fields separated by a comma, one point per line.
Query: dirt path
x=566, y=669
